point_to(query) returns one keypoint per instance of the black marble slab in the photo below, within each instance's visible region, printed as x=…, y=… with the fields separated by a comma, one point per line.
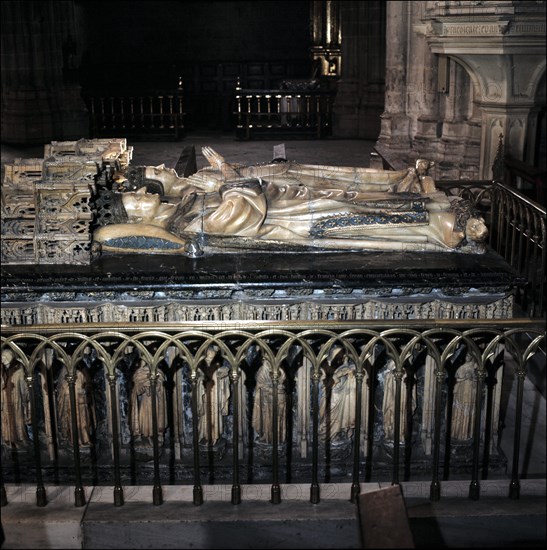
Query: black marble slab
x=374, y=272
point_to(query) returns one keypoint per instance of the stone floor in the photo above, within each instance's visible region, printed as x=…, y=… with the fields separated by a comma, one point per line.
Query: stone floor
x=494, y=521
x=455, y=521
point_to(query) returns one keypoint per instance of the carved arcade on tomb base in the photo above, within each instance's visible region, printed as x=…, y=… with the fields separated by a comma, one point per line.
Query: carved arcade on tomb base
x=155, y=398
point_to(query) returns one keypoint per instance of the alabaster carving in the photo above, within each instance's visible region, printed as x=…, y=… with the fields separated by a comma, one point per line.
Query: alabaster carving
x=213, y=396
x=294, y=309
x=463, y=405
x=262, y=415
x=15, y=403
x=286, y=206
x=86, y=420
x=141, y=406
x=85, y=198
x=337, y=403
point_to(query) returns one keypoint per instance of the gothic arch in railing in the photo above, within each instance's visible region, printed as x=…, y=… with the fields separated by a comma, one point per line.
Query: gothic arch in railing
x=303, y=361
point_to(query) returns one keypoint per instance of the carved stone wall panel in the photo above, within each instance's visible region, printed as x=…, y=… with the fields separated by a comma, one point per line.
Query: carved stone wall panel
x=22, y=173
x=18, y=228
x=16, y=204
x=20, y=251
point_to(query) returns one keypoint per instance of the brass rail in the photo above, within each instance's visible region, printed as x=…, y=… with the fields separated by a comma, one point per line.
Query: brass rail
x=423, y=355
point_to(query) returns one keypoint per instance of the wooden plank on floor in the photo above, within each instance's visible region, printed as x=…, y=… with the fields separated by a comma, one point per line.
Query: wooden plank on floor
x=384, y=520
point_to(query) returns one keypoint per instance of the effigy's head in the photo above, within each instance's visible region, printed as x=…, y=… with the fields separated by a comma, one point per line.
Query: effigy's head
x=423, y=166
x=475, y=229
x=140, y=205
x=336, y=355
x=160, y=173
x=469, y=223
x=212, y=351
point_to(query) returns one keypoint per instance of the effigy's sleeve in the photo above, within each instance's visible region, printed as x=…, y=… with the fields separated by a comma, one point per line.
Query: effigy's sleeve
x=242, y=212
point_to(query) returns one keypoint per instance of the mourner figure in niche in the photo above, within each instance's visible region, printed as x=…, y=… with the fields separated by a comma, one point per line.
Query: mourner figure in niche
x=290, y=205
x=141, y=406
x=262, y=417
x=213, y=396
x=388, y=403
x=463, y=404
x=338, y=421
x=84, y=407
x=16, y=418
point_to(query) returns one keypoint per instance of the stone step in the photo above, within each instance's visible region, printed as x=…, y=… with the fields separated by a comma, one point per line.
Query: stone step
x=494, y=520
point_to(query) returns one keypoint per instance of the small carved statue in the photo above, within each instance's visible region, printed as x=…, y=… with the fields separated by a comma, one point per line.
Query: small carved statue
x=213, y=396
x=85, y=408
x=338, y=422
x=141, y=406
x=263, y=405
x=16, y=417
x=463, y=405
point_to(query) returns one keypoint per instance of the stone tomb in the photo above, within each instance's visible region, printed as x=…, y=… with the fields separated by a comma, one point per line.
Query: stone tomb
x=49, y=220
x=258, y=287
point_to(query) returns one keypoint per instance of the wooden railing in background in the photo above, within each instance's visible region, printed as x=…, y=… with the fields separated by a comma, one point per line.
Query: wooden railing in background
x=148, y=115
x=286, y=112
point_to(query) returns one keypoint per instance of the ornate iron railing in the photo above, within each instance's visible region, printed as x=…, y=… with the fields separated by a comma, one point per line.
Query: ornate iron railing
x=517, y=232
x=272, y=414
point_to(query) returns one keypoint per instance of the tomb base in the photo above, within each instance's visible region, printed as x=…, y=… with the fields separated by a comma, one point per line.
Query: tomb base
x=252, y=287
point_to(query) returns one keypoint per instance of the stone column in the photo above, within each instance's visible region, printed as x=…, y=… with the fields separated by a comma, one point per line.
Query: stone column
x=501, y=46
x=40, y=103
x=395, y=122
x=422, y=87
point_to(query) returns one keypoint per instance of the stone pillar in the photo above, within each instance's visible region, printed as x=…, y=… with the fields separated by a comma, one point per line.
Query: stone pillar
x=494, y=54
x=501, y=45
x=422, y=89
x=40, y=102
x=395, y=122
